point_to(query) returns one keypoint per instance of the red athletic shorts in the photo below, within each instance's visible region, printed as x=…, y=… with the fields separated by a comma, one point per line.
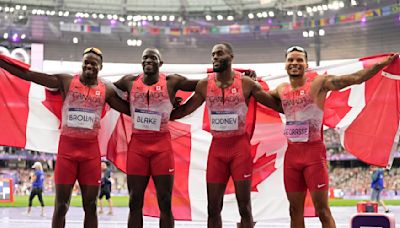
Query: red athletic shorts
x=78, y=159
x=150, y=154
x=229, y=157
x=305, y=167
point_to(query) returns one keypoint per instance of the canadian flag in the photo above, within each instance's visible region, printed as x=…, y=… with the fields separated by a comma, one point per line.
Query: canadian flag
x=367, y=116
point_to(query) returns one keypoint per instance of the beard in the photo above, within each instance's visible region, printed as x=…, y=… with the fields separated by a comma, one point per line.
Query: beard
x=222, y=67
x=151, y=71
x=295, y=75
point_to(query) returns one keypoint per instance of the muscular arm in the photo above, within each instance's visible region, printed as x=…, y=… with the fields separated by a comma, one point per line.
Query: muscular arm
x=50, y=81
x=265, y=98
x=116, y=102
x=124, y=82
x=192, y=104
x=182, y=83
x=340, y=82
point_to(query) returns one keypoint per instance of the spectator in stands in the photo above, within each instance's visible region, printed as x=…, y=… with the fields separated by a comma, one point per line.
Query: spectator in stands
x=37, y=187
x=377, y=175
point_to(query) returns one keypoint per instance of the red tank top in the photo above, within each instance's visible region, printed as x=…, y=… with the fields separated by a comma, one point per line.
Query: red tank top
x=82, y=109
x=227, y=112
x=150, y=106
x=303, y=116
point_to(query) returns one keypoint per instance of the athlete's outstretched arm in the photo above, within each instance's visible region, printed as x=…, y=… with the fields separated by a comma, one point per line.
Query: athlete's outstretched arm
x=192, y=104
x=340, y=82
x=116, y=102
x=50, y=81
x=265, y=98
x=182, y=83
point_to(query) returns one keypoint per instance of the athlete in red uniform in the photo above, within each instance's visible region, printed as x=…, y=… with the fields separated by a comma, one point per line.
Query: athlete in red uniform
x=151, y=97
x=78, y=158
x=227, y=95
x=305, y=164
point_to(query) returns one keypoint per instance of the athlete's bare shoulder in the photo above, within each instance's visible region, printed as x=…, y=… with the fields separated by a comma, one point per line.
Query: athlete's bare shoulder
x=130, y=77
x=175, y=78
x=202, y=86
x=125, y=83
x=279, y=89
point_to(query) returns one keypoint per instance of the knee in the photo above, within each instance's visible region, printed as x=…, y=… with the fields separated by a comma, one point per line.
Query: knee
x=60, y=209
x=89, y=206
x=245, y=210
x=135, y=203
x=324, y=213
x=164, y=203
x=295, y=211
x=214, y=210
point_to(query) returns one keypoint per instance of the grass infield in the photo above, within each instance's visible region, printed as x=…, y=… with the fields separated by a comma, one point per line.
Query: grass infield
x=122, y=201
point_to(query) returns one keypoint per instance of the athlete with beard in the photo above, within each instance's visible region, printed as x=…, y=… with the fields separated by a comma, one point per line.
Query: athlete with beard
x=227, y=96
x=151, y=97
x=305, y=164
x=78, y=158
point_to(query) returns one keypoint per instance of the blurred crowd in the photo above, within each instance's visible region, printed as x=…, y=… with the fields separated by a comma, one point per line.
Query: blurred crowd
x=357, y=181
x=352, y=181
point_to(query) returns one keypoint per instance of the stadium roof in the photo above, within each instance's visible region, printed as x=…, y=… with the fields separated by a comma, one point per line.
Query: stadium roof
x=125, y=6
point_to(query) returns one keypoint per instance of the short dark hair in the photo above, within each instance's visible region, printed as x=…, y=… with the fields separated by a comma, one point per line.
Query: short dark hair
x=296, y=48
x=227, y=46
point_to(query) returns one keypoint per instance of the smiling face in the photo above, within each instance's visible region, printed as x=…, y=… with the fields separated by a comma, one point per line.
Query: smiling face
x=151, y=61
x=221, y=58
x=91, y=65
x=296, y=64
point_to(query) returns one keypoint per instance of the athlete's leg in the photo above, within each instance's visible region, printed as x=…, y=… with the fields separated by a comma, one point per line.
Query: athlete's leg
x=317, y=178
x=296, y=208
x=243, y=190
x=61, y=205
x=89, y=198
x=136, y=187
x=65, y=175
x=215, y=199
x=320, y=200
x=89, y=176
x=164, y=184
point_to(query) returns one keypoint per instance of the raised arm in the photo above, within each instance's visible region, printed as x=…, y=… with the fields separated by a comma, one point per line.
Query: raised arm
x=265, y=98
x=340, y=82
x=116, y=102
x=193, y=103
x=50, y=81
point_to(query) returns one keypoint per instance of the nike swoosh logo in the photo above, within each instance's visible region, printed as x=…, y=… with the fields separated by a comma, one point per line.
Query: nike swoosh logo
x=246, y=175
x=171, y=170
x=321, y=185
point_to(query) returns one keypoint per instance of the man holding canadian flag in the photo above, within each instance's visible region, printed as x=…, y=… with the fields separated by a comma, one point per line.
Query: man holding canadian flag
x=83, y=97
x=305, y=165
